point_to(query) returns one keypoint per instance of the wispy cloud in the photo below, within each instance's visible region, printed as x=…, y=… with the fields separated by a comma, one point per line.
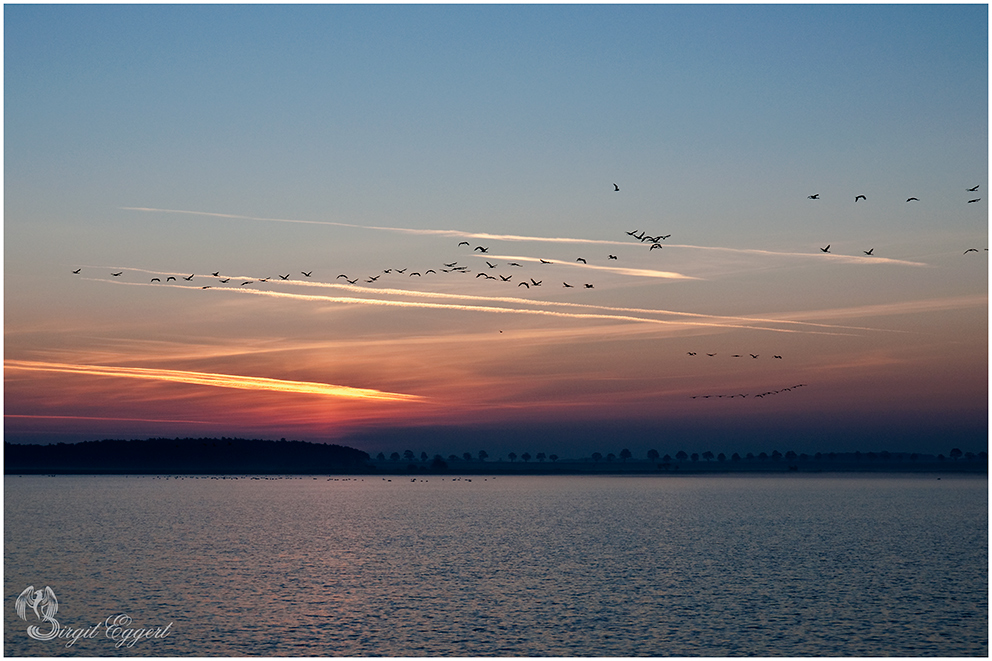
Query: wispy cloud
x=211, y=379
x=109, y=419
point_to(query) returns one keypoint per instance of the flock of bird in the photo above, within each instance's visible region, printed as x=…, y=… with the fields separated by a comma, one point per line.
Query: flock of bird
x=736, y=355
x=743, y=395
x=870, y=252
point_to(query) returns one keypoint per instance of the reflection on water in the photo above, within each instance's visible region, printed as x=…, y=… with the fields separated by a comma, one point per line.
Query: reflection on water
x=506, y=566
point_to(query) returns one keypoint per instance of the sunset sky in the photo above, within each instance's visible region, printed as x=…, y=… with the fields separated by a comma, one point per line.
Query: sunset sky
x=259, y=142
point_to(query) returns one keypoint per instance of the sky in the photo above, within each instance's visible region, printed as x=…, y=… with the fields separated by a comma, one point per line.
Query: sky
x=380, y=208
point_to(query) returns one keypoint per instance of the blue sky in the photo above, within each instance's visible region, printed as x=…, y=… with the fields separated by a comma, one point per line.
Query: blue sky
x=716, y=121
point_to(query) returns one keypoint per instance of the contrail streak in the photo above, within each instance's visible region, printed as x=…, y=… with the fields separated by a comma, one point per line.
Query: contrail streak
x=211, y=379
x=347, y=300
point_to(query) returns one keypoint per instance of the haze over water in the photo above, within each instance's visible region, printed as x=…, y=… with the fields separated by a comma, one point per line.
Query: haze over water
x=507, y=566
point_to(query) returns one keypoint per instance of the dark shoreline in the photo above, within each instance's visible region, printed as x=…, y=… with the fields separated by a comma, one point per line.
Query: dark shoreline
x=231, y=456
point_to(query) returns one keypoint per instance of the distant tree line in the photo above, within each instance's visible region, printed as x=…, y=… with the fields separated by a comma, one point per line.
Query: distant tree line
x=183, y=455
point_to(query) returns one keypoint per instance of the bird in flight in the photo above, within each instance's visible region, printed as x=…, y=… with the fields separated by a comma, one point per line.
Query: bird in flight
x=537, y=283
x=77, y=270
x=171, y=277
x=156, y=280
x=868, y=252
x=588, y=286
x=615, y=187
x=913, y=199
x=247, y=282
x=815, y=196
x=464, y=243
x=372, y=278
x=567, y=285
x=451, y=264
x=283, y=277
x=205, y=287
x=351, y=282
x=860, y=197
x=970, y=250
x=226, y=280
x=779, y=357
x=524, y=284
x=306, y=274
x=634, y=233
x=612, y=256
x=972, y=190
x=481, y=249
x=512, y=264
x=505, y=278
x=215, y=274
x=490, y=264
x=654, y=245
x=977, y=199
x=827, y=249
x=190, y=277
x=691, y=353
x=754, y=355
x=711, y=354
x=117, y=274
x=544, y=261
x=581, y=260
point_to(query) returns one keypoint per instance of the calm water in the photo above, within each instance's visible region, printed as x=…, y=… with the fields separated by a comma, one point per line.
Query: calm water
x=507, y=566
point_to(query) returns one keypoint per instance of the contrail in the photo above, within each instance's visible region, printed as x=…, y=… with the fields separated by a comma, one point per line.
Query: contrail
x=211, y=379
x=480, y=308
x=404, y=230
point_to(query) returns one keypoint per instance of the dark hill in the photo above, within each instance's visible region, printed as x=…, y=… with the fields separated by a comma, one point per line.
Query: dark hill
x=184, y=455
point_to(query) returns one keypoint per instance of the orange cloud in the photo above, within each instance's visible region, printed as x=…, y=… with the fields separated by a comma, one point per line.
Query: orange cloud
x=212, y=379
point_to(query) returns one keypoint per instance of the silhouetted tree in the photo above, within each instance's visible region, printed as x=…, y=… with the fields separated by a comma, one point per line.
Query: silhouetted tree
x=955, y=453
x=790, y=455
x=721, y=457
x=553, y=457
x=735, y=457
x=694, y=456
x=525, y=456
x=452, y=457
x=394, y=456
x=483, y=455
x=380, y=457
x=408, y=455
x=438, y=463
x=597, y=457
x=625, y=454
x=541, y=456
x=512, y=456
x=749, y=456
x=653, y=455
x=611, y=457
x=708, y=456
x=423, y=456
x=467, y=456
x=776, y=455
x=681, y=455
x=667, y=458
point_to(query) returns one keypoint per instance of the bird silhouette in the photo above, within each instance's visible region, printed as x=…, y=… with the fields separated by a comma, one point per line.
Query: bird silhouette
x=913, y=199
x=351, y=282
x=481, y=249
x=372, y=278
x=306, y=274
x=490, y=264
x=537, y=283
x=117, y=274
x=860, y=197
x=215, y=274
x=171, y=277
x=977, y=199
x=523, y=284
x=972, y=190
x=634, y=233
x=753, y=355
x=815, y=196
x=970, y=250
x=505, y=278
x=387, y=270
x=431, y=271
x=654, y=245
x=205, y=287
x=869, y=251
x=415, y=274
x=567, y=285
x=827, y=249
x=283, y=277
x=156, y=280
x=664, y=236
x=588, y=286
x=691, y=353
x=612, y=256
x=544, y=261
x=226, y=280
x=581, y=260
x=190, y=277
x=615, y=187
x=77, y=270
x=401, y=270
x=512, y=264
x=779, y=357
x=246, y=282
x=711, y=354
x=464, y=243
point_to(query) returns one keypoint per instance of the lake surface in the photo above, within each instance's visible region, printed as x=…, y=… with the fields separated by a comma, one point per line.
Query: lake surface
x=507, y=566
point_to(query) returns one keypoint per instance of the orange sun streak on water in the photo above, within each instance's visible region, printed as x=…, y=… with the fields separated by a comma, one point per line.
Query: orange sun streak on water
x=212, y=379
